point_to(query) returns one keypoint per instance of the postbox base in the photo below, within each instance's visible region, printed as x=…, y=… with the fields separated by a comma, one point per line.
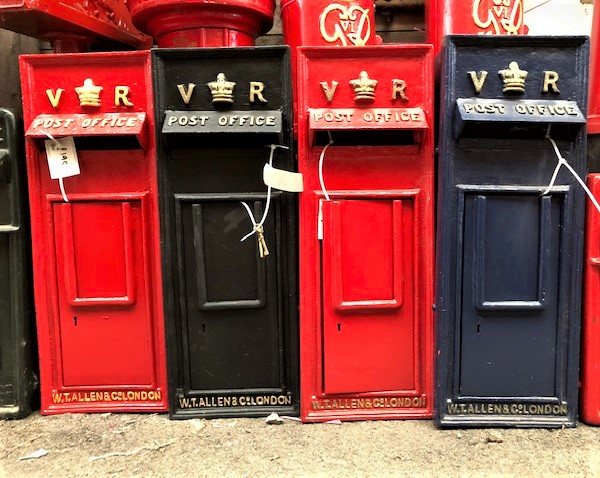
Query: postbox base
x=498, y=422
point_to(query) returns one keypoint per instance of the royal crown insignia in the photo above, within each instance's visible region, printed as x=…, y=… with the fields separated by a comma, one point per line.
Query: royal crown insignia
x=514, y=78
x=364, y=87
x=89, y=94
x=221, y=90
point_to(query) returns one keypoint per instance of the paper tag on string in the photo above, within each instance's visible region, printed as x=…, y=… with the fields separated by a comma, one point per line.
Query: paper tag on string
x=62, y=158
x=283, y=180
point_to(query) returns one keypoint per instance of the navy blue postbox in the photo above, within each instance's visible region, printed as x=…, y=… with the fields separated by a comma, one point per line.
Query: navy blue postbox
x=509, y=261
x=17, y=373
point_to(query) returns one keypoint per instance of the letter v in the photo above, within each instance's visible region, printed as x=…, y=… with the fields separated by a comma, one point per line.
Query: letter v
x=186, y=95
x=54, y=96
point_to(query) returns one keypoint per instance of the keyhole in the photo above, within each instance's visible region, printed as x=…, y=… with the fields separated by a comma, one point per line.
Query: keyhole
x=203, y=327
x=75, y=321
x=478, y=328
x=339, y=327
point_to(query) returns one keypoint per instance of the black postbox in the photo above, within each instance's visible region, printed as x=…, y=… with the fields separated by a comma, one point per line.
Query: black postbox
x=510, y=252
x=17, y=375
x=230, y=305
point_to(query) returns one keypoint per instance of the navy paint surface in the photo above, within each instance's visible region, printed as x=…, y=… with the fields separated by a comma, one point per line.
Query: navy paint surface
x=509, y=260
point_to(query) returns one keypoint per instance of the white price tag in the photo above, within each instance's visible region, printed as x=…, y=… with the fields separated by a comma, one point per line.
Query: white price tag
x=62, y=158
x=283, y=180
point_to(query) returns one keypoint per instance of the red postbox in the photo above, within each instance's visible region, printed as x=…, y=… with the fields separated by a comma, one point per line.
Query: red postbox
x=95, y=237
x=73, y=25
x=207, y=23
x=590, y=334
x=478, y=17
x=365, y=147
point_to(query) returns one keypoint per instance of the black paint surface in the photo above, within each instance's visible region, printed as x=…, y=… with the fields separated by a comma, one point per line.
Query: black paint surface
x=509, y=260
x=17, y=349
x=231, y=316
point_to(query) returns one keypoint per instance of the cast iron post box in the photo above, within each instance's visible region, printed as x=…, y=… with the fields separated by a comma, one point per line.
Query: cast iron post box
x=96, y=252
x=73, y=25
x=509, y=246
x=481, y=17
x=207, y=23
x=230, y=305
x=17, y=376
x=365, y=148
x=590, y=349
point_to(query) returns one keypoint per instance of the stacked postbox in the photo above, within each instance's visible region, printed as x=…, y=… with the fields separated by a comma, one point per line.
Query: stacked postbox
x=220, y=229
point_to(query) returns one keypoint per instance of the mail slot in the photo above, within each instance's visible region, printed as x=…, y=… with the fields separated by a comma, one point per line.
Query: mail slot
x=590, y=359
x=96, y=254
x=230, y=303
x=18, y=379
x=74, y=25
x=509, y=246
x=207, y=23
x=480, y=17
x=365, y=148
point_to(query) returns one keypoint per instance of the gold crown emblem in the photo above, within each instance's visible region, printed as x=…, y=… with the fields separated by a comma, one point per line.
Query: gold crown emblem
x=364, y=87
x=221, y=90
x=514, y=78
x=89, y=94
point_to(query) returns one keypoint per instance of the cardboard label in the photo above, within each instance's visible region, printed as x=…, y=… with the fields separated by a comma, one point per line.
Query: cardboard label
x=283, y=180
x=62, y=158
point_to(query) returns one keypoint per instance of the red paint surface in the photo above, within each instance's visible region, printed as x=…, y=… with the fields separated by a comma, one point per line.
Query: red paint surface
x=344, y=24
x=366, y=289
x=72, y=25
x=203, y=23
x=96, y=259
x=590, y=333
x=477, y=17
x=594, y=97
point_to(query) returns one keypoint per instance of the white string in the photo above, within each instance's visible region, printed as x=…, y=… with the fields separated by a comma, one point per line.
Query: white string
x=323, y=188
x=61, y=183
x=257, y=226
x=563, y=162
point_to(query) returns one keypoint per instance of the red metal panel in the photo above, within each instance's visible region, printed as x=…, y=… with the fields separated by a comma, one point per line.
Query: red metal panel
x=480, y=17
x=590, y=334
x=72, y=25
x=203, y=23
x=97, y=279
x=366, y=288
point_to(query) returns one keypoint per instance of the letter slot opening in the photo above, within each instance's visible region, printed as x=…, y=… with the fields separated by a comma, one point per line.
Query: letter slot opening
x=369, y=138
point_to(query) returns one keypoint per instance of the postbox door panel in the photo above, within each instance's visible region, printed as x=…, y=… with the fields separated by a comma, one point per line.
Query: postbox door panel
x=510, y=307
x=231, y=316
x=101, y=273
x=368, y=324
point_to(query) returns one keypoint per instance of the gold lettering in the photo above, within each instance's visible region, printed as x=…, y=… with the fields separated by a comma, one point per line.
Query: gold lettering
x=550, y=81
x=186, y=95
x=478, y=81
x=54, y=96
x=122, y=96
x=256, y=91
x=329, y=90
x=399, y=88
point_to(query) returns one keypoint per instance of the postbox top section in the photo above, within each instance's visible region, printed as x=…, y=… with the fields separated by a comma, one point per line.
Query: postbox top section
x=90, y=20
x=385, y=87
x=86, y=94
x=473, y=17
x=245, y=90
x=195, y=23
x=528, y=80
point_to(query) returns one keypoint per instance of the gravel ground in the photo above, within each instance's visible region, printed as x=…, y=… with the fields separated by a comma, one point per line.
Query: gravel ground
x=151, y=445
